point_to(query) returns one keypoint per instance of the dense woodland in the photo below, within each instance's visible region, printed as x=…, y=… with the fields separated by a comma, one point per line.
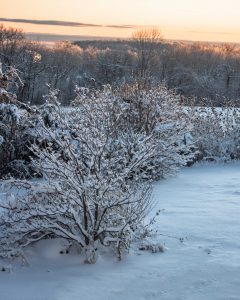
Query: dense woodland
x=208, y=72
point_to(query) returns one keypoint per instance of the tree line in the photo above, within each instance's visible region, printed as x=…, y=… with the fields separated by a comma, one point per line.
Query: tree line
x=206, y=72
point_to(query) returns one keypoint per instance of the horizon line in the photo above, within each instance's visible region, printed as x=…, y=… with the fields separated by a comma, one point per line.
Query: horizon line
x=54, y=39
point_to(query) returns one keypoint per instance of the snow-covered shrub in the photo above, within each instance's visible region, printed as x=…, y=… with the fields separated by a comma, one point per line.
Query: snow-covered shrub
x=97, y=162
x=216, y=132
x=91, y=193
x=13, y=146
x=45, y=116
x=152, y=247
x=21, y=126
x=14, y=152
x=10, y=128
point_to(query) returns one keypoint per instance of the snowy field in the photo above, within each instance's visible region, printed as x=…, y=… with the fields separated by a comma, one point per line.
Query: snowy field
x=201, y=205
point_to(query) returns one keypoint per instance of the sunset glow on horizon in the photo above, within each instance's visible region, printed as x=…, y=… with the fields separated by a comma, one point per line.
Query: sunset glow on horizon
x=184, y=20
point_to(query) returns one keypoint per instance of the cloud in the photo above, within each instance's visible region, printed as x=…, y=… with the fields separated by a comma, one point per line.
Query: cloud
x=49, y=22
x=122, y=26
x=64, y=23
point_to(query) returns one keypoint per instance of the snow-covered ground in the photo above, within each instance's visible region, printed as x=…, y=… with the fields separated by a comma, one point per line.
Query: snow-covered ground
x=202, y=205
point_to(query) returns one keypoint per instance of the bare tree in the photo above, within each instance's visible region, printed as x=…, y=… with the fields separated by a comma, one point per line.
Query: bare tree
x=10, y=42
x=147, y=43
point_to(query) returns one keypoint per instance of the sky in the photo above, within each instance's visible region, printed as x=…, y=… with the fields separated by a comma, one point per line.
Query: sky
x=202, y=20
